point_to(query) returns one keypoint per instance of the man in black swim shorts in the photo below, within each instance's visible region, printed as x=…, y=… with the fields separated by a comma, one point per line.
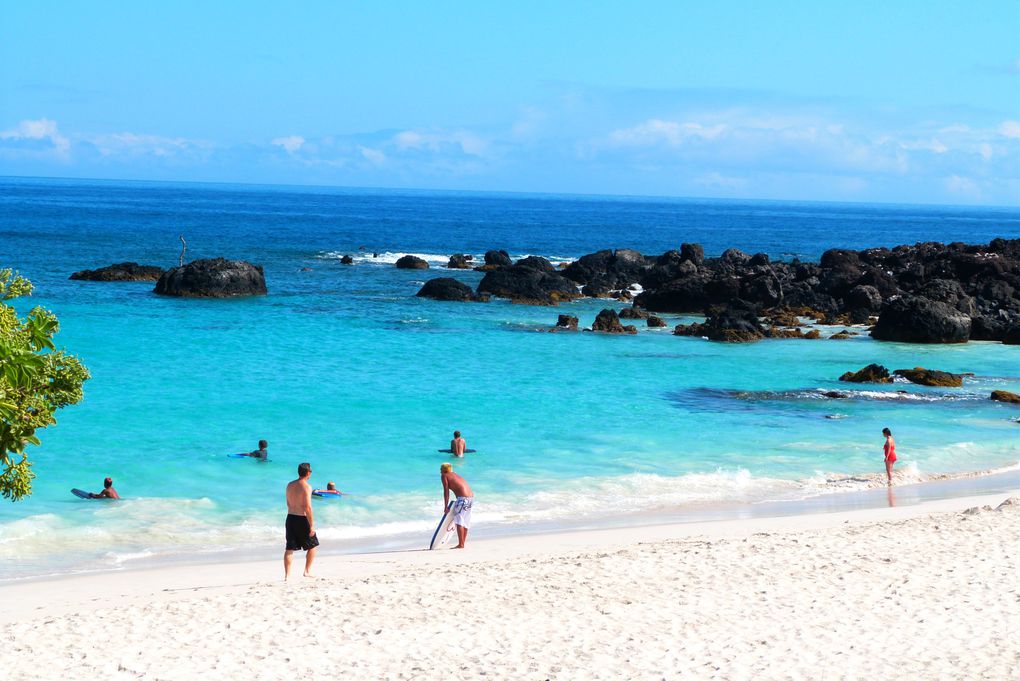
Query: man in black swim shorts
x=300, y=523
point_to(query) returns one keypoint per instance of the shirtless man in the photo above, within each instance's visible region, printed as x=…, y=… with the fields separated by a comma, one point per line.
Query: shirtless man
x=300, y=524
x=457, y=444
x=108, y=491
x=462, y=506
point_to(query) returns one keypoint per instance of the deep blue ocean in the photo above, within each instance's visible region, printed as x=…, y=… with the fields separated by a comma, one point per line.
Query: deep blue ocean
x=343, y=367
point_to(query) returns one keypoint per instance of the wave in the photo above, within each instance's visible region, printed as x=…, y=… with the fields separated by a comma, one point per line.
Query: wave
x=433, y=259
x=163, y=528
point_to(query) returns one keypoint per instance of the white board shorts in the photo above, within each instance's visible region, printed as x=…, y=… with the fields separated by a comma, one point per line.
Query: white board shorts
x=462, y=511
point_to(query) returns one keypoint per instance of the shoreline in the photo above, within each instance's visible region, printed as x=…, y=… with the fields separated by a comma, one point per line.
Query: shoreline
x=657, y=600
x=934, y=488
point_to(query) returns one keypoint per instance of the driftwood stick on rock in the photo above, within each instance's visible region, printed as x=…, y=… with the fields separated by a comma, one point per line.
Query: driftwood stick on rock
x=184, y=249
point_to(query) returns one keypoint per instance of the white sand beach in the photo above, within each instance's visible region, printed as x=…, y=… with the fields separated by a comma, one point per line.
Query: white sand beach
x=930, y=591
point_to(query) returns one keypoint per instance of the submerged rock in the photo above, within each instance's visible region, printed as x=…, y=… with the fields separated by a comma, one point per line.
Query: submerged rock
x=213, y=278
x=125, y=271
x=873, y=373
x=922, y=376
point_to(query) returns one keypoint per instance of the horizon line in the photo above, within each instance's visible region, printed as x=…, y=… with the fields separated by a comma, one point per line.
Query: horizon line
x=511, y=192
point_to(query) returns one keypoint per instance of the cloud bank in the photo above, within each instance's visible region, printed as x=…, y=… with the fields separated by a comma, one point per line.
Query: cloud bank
x=741, y=145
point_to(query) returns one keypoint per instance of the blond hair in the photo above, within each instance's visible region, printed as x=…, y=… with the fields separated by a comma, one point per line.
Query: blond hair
x=446, y=468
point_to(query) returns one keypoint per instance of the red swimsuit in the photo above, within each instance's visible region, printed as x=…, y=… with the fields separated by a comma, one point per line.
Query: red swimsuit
x=890, y=451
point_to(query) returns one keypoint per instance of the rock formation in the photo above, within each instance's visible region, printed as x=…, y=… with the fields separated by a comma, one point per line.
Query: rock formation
x=213, y=278
x=412, y=262
x=933, y=377
x=873, y=373
x=608, y=321
x=125, y=271
x=448, y=288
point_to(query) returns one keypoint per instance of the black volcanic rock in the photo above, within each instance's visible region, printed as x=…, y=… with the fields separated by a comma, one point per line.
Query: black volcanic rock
x=448, y=288
x=736, y=322
x=536, y=262
x=213, y=278
x=347, y=260
x=873, y=373
x=565, y=322
x=528, y=286
x=1012, y=336
x=412, y=262
x=608, y=321
x=494, y=260
x=912, y=319
x=125, y=271
x=459, y=261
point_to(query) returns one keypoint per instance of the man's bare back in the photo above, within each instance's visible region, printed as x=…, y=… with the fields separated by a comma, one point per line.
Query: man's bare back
x=299, y=497
x=457, y=485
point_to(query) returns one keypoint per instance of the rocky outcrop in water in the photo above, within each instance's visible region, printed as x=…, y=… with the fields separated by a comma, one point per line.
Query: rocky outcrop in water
x=925, y=293
x=448, y=288
x=1005, y=396
x=913, y=319
x=459, y=261
x=125, y=271
x=495, y=260
x=213, y=278
x=873, y=373
x=933, y=377
x=608, y=321
x=737, y=322
x=347, y=260
x=524, y=284
x=654, y=322
x=412, y=262
x=565, y=322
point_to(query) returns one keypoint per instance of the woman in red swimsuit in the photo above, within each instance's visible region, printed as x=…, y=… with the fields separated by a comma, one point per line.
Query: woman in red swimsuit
x=890, y=453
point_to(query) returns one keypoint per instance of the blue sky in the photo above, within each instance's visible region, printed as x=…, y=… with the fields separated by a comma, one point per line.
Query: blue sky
x=865, y=101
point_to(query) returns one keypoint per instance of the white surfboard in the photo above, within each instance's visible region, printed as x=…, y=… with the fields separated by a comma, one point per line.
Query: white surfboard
x=445, y=531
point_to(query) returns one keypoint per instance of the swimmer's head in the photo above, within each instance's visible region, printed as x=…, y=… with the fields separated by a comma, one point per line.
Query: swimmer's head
x=886, y=432
x=456, y=433
x=304, y=470
x=331, y=485
x=108, y=483
x=446, y=468
x=263, y=444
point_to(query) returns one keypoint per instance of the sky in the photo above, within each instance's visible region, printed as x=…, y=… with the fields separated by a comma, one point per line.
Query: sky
x=907, y=102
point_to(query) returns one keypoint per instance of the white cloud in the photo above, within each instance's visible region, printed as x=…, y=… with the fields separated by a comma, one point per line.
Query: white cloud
x=963, y=186
x=1010, y=129
x=135, y=144
x=41, y=130
x=657, y=131
x=438, y=142
x=373, y=155
x=291, y=143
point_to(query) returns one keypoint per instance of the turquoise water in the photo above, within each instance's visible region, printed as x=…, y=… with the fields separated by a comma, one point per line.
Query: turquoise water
x=343, y=367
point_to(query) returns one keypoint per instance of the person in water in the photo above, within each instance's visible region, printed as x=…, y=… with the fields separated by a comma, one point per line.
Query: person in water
x=330, y=489
x=262, y=452
x=300, y=524
x=465, y=499
x=457, y=444
x=890, y=453
x=108, y=491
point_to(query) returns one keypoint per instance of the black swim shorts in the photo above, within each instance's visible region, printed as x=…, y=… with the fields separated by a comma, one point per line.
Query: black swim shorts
x=297, y=534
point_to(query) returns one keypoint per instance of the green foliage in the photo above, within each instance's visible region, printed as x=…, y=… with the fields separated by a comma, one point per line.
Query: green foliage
x=36, y=379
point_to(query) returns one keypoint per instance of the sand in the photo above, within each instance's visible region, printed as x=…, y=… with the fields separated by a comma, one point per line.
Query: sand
x=923, y=592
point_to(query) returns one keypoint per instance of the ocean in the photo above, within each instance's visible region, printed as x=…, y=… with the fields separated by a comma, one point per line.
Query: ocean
x=343, y=367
